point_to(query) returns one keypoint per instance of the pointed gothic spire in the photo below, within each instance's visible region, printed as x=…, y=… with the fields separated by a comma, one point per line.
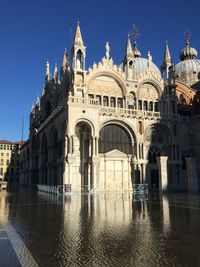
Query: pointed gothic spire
x=65, y=62
x=167, y=62
x=78, y=37
x=65, y=65
x=48, y=75
x=167, y=57
x=129, y=51
x=55, y=75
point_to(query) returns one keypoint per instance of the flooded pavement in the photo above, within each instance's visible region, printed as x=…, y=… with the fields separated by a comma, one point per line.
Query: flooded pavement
x=38, y=229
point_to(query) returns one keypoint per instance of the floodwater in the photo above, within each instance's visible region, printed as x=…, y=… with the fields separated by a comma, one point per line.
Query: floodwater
x=39, y=229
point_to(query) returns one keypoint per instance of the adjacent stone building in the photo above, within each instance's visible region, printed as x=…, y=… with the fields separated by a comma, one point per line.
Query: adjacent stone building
x=9, y=161
x=108, y=127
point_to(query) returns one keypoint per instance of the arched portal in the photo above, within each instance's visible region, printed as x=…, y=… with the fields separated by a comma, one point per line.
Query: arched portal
x=116, y=158
x=113, y=136
x=157, y=143
x=83, y=150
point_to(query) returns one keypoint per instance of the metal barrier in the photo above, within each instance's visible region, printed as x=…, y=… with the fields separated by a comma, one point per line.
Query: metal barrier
x=137, y=189
x=140, y=188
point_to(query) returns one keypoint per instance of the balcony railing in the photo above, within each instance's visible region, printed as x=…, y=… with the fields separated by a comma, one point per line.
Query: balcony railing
x=106, y=110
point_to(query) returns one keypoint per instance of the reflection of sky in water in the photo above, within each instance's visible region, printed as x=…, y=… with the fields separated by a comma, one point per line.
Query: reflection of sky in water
x=106, y=229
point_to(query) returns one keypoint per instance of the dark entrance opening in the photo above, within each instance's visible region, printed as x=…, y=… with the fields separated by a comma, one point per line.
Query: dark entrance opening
x=154, y=179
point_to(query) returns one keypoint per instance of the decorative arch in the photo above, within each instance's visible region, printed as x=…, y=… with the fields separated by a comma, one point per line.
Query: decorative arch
x=152, y=83
x=88, y=121
x=125, y=125
x=111, y=75
x=165, y=130
x=114, y=136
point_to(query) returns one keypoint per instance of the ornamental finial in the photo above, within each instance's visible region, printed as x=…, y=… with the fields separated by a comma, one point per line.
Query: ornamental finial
x=134, y=33
x=187, y=35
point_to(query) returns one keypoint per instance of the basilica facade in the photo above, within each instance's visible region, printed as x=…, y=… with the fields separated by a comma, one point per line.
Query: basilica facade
x=108, y=127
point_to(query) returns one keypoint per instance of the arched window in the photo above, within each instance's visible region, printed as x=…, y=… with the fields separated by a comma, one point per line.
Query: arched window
x=79, y=59
x=151, y=106
x=105, y=101
x=112, y=102
x=140, y=127
x=98, y=98
x=114, y=137
x=119, y=103
x=140, y=104
x=130, y=64
x=145, y=105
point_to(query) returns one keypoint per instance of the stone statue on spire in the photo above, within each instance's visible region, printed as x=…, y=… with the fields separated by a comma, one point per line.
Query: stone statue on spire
x=107, y=50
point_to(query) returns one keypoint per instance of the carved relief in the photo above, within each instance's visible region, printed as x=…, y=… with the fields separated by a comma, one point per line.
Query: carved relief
x=148, y=92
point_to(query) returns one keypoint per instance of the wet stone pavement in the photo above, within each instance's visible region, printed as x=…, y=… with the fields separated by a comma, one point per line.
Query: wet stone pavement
x=39, y=229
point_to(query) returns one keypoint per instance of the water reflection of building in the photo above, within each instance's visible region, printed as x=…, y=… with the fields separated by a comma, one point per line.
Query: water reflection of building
x=111, y=126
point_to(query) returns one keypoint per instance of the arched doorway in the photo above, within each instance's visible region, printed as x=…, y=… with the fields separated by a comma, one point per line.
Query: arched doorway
x=116, y=152
x=83, y=150
x=157, y=142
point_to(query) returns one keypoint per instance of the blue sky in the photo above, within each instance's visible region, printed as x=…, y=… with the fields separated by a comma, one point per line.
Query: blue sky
x=32, y=32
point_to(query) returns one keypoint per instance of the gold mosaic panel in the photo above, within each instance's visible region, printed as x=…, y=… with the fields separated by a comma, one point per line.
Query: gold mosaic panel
x=104, y=85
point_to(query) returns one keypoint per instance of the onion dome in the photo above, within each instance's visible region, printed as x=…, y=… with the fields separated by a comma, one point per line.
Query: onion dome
x=188, y=70
x=188, y=52
x=136, y=52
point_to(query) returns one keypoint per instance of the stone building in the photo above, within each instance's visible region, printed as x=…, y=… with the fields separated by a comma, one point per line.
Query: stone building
x=9, y=161
x=108, y=127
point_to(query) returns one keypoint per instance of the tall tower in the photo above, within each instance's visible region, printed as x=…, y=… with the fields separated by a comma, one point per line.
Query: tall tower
x=129, y=60
x=78, y=53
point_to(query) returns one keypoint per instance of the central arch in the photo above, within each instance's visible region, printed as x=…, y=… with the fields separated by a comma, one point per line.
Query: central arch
x=116, y=150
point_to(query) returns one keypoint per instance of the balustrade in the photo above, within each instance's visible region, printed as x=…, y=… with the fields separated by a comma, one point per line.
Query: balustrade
x=112, y=110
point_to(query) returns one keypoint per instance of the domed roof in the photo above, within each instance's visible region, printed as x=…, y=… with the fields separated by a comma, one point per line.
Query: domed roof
x=187, y=66
x=142, y=64
x=188, y=52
